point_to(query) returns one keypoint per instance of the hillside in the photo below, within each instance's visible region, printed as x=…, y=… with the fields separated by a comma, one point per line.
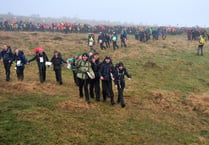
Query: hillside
x=167, y=98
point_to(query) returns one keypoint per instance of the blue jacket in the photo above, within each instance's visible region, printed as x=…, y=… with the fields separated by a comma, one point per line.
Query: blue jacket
x=7, y=55
x=106, y=70
x=20, y=59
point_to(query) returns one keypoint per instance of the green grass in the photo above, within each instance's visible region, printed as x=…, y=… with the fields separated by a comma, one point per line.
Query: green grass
x=165, y=74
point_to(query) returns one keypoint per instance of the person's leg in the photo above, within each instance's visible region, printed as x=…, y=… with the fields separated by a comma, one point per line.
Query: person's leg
x=60, y=76
x=110, y=91
x=121, y=94
x=22, y=73
x=86, y=89
x=104, y=90
x=97, y=88
x=81, y=83
x=18, y=73
x=56, y=75
x=41, y=71
x=8, y=66
x=91, y=88
x=201, y=50
x=198, y=50
x=44, y=73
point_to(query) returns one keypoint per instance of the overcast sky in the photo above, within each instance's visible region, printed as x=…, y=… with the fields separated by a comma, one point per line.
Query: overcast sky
x=147, y=12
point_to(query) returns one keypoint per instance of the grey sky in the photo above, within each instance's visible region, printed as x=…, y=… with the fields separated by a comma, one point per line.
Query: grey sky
x=151, y=12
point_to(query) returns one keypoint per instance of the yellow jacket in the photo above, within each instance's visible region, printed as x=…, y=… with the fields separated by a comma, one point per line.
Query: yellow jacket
x=202, y=41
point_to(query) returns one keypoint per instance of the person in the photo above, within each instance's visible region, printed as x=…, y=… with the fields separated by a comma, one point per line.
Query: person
x=189, y=34
x=106, y=72
x=114, y=39
x=41, y=59
x=101, y=40
x=71, y=65
x=200, y=46
x=107, y=40
x=164, y=34
x=95, y=83
x=91, y=42
x=123, y=39
x=120, y=72
x=57, y=61
x=83, y=66
x=7, y=56
x=21, y=60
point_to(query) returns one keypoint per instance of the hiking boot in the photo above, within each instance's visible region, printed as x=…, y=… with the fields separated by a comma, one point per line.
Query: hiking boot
x=123, y=105
x=112, y=103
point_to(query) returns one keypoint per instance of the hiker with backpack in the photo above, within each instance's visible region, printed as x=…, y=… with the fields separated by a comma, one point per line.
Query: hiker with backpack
x=83, y=69
x=106, y=73
x=20, y=60
x=7, y=57
x=57, y=62
x=41, y=59
x=120, y=73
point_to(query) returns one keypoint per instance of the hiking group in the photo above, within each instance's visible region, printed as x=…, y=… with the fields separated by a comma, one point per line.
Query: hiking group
x=104, y=40
x=88, y=71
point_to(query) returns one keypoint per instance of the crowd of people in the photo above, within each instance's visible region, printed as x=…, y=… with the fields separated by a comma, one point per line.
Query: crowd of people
x=105, y=39
x=88, y=72
x=67, y=27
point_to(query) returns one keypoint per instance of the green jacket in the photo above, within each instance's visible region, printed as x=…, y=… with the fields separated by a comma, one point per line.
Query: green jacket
x=82, y=68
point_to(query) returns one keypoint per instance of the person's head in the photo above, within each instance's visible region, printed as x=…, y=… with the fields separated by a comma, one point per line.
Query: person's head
x=41, y=51
x=5, y=47
x=107, y=59
x=96, y=56
x=120, y=65
x=16, y=51
x=85, y=56
x=90, y=54
x=56, y=53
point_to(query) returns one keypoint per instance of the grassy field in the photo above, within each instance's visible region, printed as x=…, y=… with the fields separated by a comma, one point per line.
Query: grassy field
x=167, y=99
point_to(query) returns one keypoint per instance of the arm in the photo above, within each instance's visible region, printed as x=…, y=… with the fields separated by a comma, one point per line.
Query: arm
x=100, y=72
x=35, y=57
x=113, y=72
x=116, y=77
x=11, y=57
x=127, y=74
x=63, y=61
x=52, y=60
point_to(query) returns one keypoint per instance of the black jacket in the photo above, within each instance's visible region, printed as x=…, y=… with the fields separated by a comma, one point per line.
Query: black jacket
x=120, y=74
x=106, y=70
x=7, y=55
x=95, y=67
x=40, y=58
x=57, y=62
x=20, y=57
